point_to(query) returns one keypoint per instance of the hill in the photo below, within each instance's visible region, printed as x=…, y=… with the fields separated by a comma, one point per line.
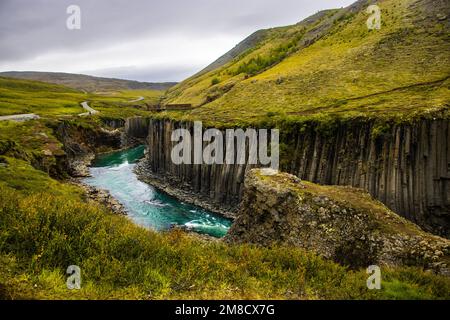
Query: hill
x=331, y=64
x=51, y=100
x=87, y=83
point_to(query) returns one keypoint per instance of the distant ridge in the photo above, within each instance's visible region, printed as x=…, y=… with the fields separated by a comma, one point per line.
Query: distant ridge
x=87, y=83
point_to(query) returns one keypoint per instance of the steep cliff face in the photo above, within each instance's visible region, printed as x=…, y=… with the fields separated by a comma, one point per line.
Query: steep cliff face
x=339, y=223
x=135, y=131
x=81, y=142
x=221, y=183
x=406, y=166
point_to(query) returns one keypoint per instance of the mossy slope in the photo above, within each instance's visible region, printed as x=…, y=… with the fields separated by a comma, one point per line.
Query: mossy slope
x=332, y=64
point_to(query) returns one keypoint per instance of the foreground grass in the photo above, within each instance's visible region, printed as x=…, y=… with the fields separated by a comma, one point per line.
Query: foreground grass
x=42, y=233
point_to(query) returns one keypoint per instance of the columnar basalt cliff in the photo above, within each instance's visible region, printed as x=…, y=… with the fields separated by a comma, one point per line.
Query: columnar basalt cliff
x=406, y=166
x=221, y=184
x=135, y=131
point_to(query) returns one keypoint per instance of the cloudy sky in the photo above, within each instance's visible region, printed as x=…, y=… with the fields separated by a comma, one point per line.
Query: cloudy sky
x=146, y=40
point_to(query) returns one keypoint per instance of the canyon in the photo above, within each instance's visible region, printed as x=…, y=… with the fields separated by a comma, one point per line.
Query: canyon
x=406, y=166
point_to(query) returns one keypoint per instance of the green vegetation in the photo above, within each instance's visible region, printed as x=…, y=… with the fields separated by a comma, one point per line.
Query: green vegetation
x=331, y=65
x=261, y=62
x=41, y=234
x=23, y=96
x=54, y=101
x=21, y=176
x=31, y=141
x=215, y=81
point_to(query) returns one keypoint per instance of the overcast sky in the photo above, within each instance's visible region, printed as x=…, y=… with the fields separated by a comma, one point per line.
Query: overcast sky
x=146, y=40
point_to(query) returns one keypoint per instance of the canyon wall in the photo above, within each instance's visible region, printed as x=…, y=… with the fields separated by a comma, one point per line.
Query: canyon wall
x=221, y=184
x=113, y=122
x=406, y=166
x=135, y=131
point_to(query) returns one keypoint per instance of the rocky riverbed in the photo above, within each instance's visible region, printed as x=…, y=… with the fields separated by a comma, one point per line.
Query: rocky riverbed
x=103, y=197
x=78, y=168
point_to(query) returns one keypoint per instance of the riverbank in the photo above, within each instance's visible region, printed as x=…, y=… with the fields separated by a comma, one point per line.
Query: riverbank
x=79, y=170
x=102, y=197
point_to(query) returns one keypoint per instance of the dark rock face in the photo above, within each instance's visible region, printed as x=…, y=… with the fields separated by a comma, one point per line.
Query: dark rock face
x=79, y=141
x=339, y=223
x=104, y=198
x=113, y=123
x=135, y=131
x=221, y=183
x=80, y=145
x=407, y=166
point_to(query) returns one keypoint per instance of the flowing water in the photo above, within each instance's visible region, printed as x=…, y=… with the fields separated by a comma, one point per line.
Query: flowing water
x=147, y=206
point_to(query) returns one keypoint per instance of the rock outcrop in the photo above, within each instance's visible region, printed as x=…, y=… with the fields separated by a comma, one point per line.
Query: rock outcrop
x=340, y=223
x=81, y=143
x=135, y=131
x=103, y=197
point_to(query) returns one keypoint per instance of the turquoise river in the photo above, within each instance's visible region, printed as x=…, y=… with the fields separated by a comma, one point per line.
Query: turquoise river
x=145, y=205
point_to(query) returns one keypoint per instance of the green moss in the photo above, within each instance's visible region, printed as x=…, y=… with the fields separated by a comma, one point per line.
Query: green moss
x=215, y=81
x=22, y=176
x=28, y=140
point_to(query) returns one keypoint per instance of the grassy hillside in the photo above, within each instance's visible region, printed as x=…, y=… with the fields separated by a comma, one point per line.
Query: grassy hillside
x=50, y=100
x=87, y=83
x=331, y=64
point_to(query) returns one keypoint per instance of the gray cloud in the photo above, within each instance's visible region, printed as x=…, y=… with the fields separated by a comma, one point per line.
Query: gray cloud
x=144, y=73
x=32, y=32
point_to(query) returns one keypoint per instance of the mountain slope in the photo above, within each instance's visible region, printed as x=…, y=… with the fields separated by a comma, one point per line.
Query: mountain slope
x=248, y=43
x=332, y=64
x=87, y=83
